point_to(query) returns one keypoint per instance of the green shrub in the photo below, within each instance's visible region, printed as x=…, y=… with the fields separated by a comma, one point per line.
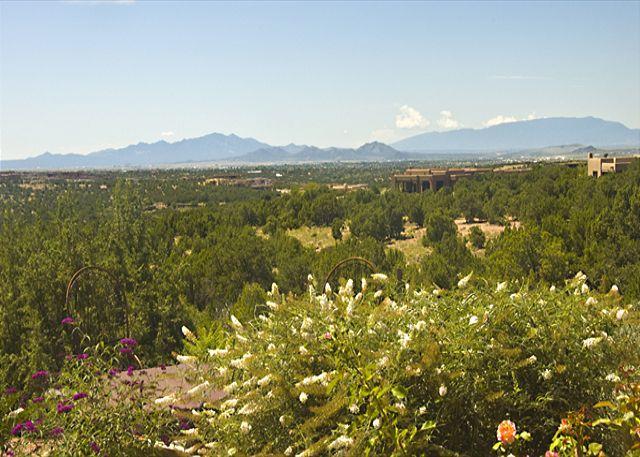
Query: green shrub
x=336, y=229
x=438, y=227
x=477, y=237
x=416, y=373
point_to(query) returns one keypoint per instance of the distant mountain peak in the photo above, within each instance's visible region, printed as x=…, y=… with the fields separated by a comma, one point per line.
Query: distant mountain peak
x=211, y=147
x=217, y=147
x=527, y=134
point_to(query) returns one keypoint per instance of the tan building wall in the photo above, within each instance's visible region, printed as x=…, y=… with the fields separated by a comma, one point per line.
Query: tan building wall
x=597, y=166
x=425, y=179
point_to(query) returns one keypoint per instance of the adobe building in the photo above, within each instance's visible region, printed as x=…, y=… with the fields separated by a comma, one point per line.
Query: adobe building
x=237, y=181
x=597, y=166
x=425, y=179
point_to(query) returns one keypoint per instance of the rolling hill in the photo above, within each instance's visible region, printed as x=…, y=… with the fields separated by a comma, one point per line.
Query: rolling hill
x=369, y=152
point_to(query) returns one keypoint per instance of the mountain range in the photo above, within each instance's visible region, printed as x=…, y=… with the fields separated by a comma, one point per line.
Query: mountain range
x=536, y=133
x=217, y=148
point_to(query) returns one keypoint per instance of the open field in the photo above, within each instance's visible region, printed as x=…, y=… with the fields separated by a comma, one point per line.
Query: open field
x=490, y=230
x=411, y=243
x=314, y=237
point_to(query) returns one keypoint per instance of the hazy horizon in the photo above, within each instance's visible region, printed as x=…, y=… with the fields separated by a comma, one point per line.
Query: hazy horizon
x=77, y=77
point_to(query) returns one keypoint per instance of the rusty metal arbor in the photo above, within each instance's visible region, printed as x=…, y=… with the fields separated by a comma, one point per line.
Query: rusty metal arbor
x=349, y=268
x=102, y=317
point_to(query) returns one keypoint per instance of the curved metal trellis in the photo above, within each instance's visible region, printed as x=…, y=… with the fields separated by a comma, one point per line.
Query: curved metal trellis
x=346, y=263
x=121, y=302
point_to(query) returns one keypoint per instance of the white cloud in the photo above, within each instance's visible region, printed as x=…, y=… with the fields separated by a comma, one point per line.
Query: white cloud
x=410, y=118
x=447, y=121
x=500, y=119
x=167, y=134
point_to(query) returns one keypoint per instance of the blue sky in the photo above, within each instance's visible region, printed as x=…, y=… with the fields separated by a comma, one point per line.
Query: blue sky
x=81, y=76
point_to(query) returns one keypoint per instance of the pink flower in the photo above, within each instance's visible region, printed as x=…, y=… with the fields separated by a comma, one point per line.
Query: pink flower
x=82, y=356
x=506, y=433
x=551, y=454
x=327, y=336
x=67, y=321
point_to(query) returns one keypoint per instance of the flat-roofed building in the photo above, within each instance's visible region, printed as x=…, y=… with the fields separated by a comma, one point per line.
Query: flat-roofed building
x=424, y=179
x=597, y=166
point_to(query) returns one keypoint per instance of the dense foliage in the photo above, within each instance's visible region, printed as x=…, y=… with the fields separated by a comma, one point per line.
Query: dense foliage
x=384, y=371
x=182, y=252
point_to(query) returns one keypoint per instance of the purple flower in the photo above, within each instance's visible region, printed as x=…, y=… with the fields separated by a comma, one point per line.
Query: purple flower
x=27, y=426
x=80, y=396
x=64, y=407
x=94, y=447
x=68, y=321
x=112, y=372
x=10, y=390
x=38, y=400
x=126, y=350
x=163, y=367
x=128, y=342
x=130, y=370
x=40, y=374
x=82, y=356
x=185, y=424
x=57, y=431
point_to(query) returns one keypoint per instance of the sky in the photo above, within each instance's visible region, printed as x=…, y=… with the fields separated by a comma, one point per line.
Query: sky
x=83, y=76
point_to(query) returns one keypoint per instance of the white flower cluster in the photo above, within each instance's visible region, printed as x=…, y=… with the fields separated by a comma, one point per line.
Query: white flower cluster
x=322, y=378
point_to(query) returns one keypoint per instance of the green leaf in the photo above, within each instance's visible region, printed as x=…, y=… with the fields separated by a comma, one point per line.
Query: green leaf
x=604, y=404
x=399, y=392
x=428, y=425
x=595, y=448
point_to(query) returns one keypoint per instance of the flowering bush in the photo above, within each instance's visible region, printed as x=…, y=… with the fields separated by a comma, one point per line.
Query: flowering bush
x=386, y=371
x=383, y=372
x=88, y=408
